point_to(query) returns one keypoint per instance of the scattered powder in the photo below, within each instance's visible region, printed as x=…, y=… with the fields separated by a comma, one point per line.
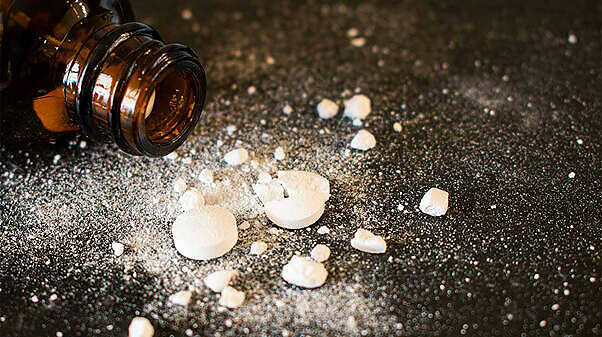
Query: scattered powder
x=434, y=202
x=366, y=241
x=327, y=109
x=205, y=233
x=358, y=107
x=231, y=297
x=304, y=272
x=258, y=248
x=320, y=253
x=218, y=280
x=140, y=327
x=236, y=157
x=363, y=141
x=118, y=248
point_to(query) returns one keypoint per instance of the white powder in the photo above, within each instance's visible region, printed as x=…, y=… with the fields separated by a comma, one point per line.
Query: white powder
x=434, y=202
x=236, y=157
x=363, y=141
x=299, y=183
x=258, y=248
x=358, y=107
x=205, y=233
x=140, y=327
x=366, y=241
x=397, y=127
x=179, y=185
x=231, y=297
x=181, y=298
x=287, y=110
x=218, y=280
x=327, y=109
x=320, y=253
x=304, y=272
x=279, y=153
x=118, y=248
x=191, y=199
x=358, y=42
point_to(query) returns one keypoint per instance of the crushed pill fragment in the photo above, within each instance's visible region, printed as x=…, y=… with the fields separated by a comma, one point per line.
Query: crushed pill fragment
x=258, y=248
x=181, y=298
x=363, y=141
x=269, y=190
x=327, y=109
x=366, y=241
x=191, y=199
x=397, y=127
x=320, y=253
x=304, y=272
x=352, y=32
x=358, y=42
x=236, y=157
x=434, y=202
x=206, y=176
x=179, y=185
x=205, y=232
x=218, y=280
x=231, y=298
x=279, y=153
x=140, y=327
x=118, y=248
x=323, y=230
x=251, y=90
x=287, y=110
x=357, y=107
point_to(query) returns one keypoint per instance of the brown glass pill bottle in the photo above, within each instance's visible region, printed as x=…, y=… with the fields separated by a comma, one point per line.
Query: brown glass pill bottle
x=85, y=66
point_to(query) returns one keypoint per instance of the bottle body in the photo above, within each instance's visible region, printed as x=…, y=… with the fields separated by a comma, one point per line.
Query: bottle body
x=85, y=66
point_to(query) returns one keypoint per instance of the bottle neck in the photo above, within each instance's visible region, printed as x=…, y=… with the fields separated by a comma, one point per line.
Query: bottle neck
x=126, y=86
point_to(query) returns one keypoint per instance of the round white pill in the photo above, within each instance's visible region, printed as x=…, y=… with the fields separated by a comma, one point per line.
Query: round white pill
x=205, y=233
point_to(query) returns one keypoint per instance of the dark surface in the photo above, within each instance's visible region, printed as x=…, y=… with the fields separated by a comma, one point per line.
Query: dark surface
x=446, y=65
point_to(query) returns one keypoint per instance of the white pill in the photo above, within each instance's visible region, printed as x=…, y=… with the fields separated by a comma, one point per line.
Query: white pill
x=304, y=272
x=358, y=107
x=364, y=141
x=141, y=327
x=279, y=153
x=327, y=109
x=118, y=248
x=205, y=233
x=182, y=298
x=295, y=212
x=301, y=182
x=236, y=157
x=367, y=242
x=231, y=297
x=218, y=280
x=258, y=248
x=179, y=185
x=191, y=199
x=320, y=253
x=434, y=202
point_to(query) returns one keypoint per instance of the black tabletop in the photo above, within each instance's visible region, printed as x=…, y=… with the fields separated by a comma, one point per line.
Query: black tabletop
x=499, y=103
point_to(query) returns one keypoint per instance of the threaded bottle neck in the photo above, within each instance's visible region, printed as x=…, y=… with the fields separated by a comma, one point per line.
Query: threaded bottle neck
x=126, y=86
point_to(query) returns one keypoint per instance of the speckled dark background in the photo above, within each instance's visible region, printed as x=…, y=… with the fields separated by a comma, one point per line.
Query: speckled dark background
x=444, y=67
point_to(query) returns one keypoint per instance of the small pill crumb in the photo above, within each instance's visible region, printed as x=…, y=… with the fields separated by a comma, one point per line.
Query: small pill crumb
x=367, y=242
x=218, y=280
x=236, y=157
x=251, y=90
x=279, y=153
x=323, y=230
x=274, y=231
x=434, y=202
x=287, y=110
x=179, y=185
x=172, y=156
x=181, y=298
x=358, y=42
x=580, y=141
x=320, y=253
x=352, y=32
x=140, y=327
x=270, y=60
x=186, y=14
x=191, y=199
x=83, y=144
x=56, y=159
x=397, y=127
x=304, y=272
x=363, y=141
x=572, y=175
x=230, y=129
x=357, y=122
x=258, y=248
x=244, y=225
x=206, y=176
x=118, y=248
x=357, y=107
x=572, y=39
x=205, y=233
x=231, y=298
x=327, y=109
